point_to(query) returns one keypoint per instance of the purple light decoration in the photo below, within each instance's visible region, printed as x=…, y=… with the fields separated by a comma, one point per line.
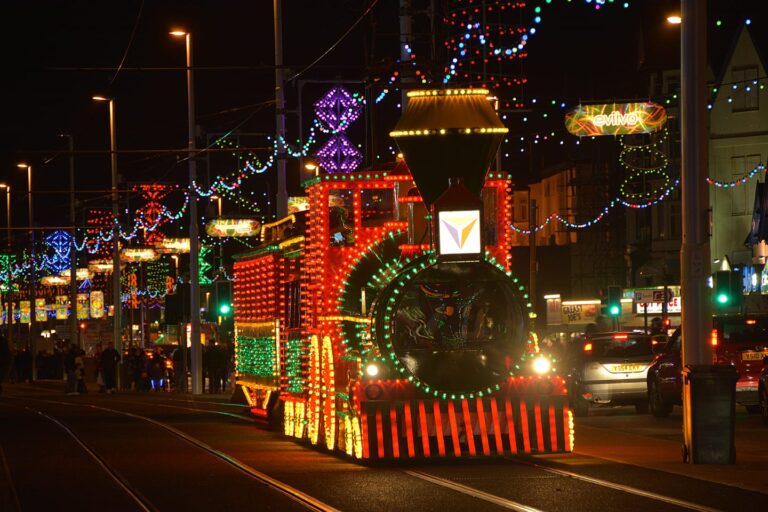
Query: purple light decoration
x=338, y=155
x=337, y=109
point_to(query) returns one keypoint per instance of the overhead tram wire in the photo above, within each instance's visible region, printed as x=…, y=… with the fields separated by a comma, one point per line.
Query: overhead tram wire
x=127, y=48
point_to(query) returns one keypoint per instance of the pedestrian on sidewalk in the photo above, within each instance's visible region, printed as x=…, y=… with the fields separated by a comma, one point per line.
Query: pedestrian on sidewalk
x=80, y=371
x=69, y=368
x=109, y=360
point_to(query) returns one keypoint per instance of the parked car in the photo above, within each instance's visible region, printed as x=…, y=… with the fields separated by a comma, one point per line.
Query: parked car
x=609, y=369
x=762, y=390
x=665, y=379
x=737, y=340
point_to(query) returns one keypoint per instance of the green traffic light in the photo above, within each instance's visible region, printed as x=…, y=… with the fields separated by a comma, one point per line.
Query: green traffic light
x=224, y=309
x=614, y=310
x=722, y=298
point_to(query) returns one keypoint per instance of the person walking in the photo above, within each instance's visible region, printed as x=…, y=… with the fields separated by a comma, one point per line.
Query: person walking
x=80, y=371
x=109, y=360
x=69, y=368
x=156, y=370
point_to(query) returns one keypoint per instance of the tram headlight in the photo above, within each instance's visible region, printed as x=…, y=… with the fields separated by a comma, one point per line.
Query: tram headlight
x=542, y=365
x=372, y=370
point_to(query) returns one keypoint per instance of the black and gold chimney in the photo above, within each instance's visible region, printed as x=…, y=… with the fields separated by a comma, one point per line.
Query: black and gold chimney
x=450, y=133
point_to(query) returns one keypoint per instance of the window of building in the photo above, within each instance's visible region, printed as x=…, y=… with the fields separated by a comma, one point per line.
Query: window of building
x=377, y=206
x=744, y=92
x=675, y=220
x=671, y=83
x=740, y=167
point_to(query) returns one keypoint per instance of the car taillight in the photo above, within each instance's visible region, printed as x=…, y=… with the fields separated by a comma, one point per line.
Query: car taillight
x=621, y=336
x=587, y=347
x=713, y=338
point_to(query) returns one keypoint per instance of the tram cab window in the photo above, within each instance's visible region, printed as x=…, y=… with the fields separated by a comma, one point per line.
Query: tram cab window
x=341, y=217
x=377, y=206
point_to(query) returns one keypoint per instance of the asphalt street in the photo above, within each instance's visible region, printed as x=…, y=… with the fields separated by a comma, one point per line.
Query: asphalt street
x=162, y=451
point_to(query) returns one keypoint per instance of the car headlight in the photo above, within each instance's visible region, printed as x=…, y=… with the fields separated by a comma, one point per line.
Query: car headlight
x=541, y=365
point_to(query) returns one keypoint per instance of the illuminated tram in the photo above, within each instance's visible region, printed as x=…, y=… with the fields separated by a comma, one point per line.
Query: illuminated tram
x=384, y=322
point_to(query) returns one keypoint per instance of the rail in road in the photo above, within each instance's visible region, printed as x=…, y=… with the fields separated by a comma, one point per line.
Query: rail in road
x=235, y=463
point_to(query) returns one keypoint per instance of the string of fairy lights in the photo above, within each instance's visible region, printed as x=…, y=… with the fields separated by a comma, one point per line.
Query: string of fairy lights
x=474, y=35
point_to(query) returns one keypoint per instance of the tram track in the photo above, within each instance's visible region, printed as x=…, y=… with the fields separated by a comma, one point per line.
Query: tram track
x=306, y=501
x=488, y=497
x=421, y=473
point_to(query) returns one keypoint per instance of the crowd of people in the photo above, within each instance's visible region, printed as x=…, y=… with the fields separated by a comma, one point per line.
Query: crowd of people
x=141, y=370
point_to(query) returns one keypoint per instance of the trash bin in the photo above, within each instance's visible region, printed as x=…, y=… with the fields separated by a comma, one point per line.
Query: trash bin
x=709, y=410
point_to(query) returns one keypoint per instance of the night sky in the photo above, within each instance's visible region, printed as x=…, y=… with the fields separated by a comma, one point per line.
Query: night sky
x=56, y=55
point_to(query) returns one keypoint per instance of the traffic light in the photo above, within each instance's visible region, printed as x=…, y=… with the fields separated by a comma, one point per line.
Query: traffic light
x=614, y=301
x=727, y=290
x=223, y=299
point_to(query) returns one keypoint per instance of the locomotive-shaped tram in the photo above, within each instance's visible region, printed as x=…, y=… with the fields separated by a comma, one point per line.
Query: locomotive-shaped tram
x=383, y=320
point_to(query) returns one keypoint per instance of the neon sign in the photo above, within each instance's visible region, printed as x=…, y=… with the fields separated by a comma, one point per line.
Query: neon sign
x=615, y=119
x=232, y=227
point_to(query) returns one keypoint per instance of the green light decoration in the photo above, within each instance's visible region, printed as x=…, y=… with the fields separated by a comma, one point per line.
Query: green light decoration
x=295, y=350
x=372, y=271
x=256, y=356
x=386, y=306
x=6, y=260
x=204, y=267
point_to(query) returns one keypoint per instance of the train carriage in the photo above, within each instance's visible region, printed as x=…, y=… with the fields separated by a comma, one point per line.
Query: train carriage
x=384, y=322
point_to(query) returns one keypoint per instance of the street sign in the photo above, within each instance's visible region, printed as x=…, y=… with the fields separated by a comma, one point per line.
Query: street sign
x=647, y=296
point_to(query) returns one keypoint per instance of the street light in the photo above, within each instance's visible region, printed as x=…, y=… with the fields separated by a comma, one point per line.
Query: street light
x=32, y=277
x=8, y=284
x=674, y=19
x=194, y=277
x=116, y=301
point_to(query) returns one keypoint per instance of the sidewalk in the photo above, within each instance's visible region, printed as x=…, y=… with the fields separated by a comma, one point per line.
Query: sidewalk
x=749, y=472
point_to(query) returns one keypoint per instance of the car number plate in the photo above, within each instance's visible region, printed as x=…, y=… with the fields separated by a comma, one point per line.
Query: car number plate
x=753, y=356
x=626, y=368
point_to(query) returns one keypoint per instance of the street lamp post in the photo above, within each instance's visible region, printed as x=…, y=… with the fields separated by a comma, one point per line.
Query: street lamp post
x=9, y=283
x=73, y=321
x=32, y=275
x=116, y=301
x=194, y=277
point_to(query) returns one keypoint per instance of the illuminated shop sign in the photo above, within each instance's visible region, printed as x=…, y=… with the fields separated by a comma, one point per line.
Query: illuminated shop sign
x=459, y=232
x=615, y=119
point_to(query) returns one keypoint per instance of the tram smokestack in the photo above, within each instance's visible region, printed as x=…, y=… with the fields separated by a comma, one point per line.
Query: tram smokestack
x=448, y=134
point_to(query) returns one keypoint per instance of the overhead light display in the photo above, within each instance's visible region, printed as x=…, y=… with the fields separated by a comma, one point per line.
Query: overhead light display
x=81, y=274
x=138, y=254
x=100, y=266
x=172, y=246
x=615, y=119
x=232, y=227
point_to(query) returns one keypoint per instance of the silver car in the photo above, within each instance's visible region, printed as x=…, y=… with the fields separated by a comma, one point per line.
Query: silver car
x=609, y=369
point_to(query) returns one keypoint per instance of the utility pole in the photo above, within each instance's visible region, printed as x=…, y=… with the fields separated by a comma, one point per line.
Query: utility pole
x=281, y=200
x=532, y=264
x=695, y=252
x=73, y=325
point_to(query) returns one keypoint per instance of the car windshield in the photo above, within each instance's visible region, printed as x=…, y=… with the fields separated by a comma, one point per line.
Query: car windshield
x=621, y=346
x=743, y=330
